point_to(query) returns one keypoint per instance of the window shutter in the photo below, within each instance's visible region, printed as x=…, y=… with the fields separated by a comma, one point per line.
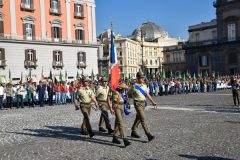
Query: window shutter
x=59, y=6
x=61, y=56
x=83, y=35
x=33, y=32
x=34, y=55
x=75, y=7
x=207, y=59
x=32, y=4
x=3, y=54
x=82, y=10
x=76, y=34
x=50, y=3
x=84, y=57
x=78, y=56
x=24, y=30
x=1, y=27
x=60, y=33
x=52, y=32
x=200, y=60
x=26, y=55
x=54, y=52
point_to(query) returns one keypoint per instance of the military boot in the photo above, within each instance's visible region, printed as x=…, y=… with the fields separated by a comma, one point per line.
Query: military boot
x=135, y=135
x=84, y=132
x=126, y=142
x=150, y=137
x=116, y=140
x=101, y=129
x=110, y=131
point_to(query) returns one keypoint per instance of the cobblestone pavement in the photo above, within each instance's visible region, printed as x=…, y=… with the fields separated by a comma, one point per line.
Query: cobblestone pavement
x=195, y=126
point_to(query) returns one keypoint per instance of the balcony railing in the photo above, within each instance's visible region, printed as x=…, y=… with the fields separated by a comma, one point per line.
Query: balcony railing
x=3, y=63
x=57, y=64
x=201, y=43
x=56, y=11
x=81, y=65
x=48, y=39
x=30, y=64
x=79, y=14
x=27, y=7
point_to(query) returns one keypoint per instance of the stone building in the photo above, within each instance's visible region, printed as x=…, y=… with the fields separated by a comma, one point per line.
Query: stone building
x=143, y=49
x=222, y=54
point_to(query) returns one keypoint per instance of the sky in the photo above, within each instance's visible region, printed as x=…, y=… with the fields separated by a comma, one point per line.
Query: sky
x=174, y=16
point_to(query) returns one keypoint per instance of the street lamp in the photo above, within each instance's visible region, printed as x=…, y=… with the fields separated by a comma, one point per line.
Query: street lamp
x=142, y=38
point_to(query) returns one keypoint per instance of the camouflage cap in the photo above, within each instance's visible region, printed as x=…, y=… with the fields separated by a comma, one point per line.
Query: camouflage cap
x=140, y=74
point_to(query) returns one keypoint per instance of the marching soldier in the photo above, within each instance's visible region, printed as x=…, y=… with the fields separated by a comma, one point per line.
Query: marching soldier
x=102, y=94
x=85, y=95
x=118, y=99
x=139, y=92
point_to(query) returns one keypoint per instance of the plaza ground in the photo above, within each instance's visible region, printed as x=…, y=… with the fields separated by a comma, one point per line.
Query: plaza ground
x=198, y=126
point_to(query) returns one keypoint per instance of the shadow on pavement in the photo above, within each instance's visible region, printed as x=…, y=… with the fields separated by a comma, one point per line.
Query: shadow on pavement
x=203, y=157
x=224, y=109
x=233, y=122
x=64, y=133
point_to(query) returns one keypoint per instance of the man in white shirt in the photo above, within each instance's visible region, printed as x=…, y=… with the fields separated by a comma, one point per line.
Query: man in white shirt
x=1, y=96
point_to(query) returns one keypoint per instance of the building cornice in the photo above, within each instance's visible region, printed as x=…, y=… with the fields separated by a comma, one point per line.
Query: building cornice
x=49, y=43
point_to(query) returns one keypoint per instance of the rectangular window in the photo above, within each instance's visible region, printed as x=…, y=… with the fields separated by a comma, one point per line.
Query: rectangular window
x=56, y=32
x=1, y=55
x=203, y=61
x=28, y=30
x=79, y=34
x=197, y=37
x=80, y=57
x=27, y=2
x=78, y=8
x=54, y=4
x=231, y=32
x=30, y=55
x=57, y=56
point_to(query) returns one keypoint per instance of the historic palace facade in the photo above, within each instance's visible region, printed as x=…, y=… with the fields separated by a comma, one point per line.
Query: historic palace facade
x=47, y=35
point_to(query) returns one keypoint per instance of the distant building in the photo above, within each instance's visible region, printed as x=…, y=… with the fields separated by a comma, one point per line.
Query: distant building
x=215, y=46
x=174, y=59
x=146, y=41
x=47, y=34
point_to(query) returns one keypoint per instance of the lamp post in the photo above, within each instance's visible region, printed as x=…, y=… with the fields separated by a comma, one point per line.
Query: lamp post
x=142, y=38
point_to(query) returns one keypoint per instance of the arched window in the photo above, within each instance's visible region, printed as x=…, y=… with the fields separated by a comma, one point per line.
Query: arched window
x=146, y=62
x=150, y=62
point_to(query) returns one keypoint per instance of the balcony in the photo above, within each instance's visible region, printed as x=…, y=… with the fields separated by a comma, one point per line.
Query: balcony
x=3, y=64
x=79, y=15
x=30, y=64
x=57, y=64
x=81, y=65
x=27, y=7
x=55, y=11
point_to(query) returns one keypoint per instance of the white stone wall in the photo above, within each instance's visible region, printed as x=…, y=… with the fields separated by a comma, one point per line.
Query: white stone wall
x=15, y=56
